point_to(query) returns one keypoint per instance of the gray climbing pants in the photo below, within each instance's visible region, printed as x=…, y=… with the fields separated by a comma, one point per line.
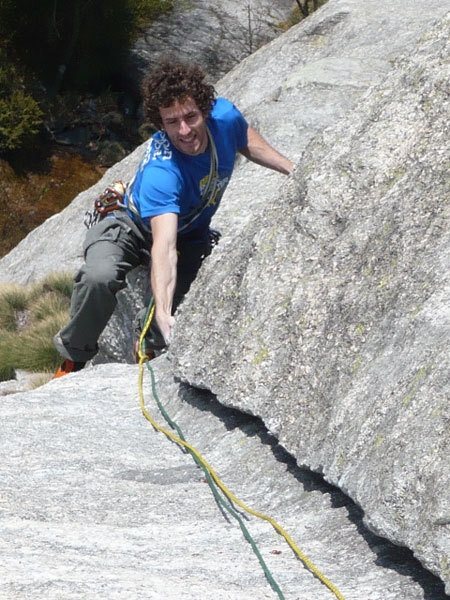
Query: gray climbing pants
x=112, y=248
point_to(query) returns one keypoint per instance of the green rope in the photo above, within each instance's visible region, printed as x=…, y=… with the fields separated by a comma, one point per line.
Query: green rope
x=217, y=495
x=210, y=471
x=222, y=500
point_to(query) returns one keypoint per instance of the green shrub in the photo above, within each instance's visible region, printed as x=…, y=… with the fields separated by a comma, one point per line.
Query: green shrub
x=20, y=118
x=303, y=9
x=148, y=10
x=20, y=115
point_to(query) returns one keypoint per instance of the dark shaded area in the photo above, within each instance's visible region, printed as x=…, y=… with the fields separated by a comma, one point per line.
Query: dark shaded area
x=387, y=554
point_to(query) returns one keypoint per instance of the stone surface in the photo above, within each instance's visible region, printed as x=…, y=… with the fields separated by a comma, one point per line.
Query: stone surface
x=96, y=504
x=219, y=34
x=324, y=311
x=336, y=301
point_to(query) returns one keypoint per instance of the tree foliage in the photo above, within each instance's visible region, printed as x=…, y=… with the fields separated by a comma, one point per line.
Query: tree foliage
x=66, y=45
x=20, y=115
x=74, y=43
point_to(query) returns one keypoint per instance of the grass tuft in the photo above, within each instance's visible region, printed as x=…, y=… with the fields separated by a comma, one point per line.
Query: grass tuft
x=13, y=300
x=29, y=318
x=36, y=351
x=47, y=305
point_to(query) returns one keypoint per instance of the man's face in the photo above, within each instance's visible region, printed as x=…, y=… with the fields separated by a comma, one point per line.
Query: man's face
x=185, y=125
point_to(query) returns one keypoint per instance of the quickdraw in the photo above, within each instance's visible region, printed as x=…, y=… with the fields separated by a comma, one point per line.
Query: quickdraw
x=110, y=199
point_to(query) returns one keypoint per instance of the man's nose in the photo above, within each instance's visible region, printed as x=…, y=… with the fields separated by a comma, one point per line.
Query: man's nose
x=184, y=127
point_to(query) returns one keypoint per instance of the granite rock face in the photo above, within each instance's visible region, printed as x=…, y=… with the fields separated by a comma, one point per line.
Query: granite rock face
x=218, y=34
x=325, y=308
x=331, y=319
x=96, y=504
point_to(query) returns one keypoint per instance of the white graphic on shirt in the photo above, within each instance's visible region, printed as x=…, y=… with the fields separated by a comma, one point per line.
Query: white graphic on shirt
x=156, y=148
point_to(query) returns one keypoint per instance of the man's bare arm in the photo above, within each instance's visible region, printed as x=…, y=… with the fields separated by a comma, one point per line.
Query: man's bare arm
x=164, y=269
x=262, y=153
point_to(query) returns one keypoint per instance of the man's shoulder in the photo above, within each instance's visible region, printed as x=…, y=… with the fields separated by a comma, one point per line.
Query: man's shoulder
x=159, y=154
x=224, y=109
x=159, y=147
x=228, y=124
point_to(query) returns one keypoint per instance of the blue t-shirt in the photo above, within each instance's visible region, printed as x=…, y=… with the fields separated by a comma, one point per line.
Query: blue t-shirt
x=168, y=180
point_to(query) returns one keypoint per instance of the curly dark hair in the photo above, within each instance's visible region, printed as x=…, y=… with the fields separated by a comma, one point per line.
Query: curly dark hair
x=170, y=82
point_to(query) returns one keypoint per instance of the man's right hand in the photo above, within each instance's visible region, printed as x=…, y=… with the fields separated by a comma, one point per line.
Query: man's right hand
x=164, y=269
x=165, y=324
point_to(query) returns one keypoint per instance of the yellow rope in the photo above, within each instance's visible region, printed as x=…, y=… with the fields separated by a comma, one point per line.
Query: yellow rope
x=142, y=359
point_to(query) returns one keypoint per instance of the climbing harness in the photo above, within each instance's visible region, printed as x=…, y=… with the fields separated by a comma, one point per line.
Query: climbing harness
x=212, y=478
x=112, y=198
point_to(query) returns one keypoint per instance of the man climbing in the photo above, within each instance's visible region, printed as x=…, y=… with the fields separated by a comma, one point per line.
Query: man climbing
x=168, y=208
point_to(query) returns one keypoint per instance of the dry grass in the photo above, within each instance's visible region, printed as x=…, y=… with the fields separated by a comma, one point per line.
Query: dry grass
x=30, y=317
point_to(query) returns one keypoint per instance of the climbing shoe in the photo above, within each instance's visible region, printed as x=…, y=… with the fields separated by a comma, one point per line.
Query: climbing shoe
x=68, y=366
